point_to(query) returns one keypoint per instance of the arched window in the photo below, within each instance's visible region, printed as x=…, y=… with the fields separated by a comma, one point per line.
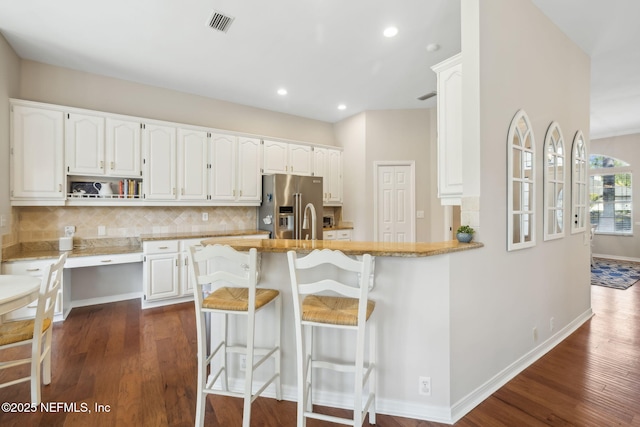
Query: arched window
x=610, y=195
x=554, y=183
x=579, y=183
x=521, y=191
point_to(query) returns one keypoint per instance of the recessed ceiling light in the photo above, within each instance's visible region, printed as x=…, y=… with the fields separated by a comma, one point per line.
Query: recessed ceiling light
x=342, y=107
x=390, y=32
x=282, y=91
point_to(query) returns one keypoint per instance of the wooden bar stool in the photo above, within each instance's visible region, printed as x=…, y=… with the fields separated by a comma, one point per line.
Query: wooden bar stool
x=233, y=278
x=347, y=308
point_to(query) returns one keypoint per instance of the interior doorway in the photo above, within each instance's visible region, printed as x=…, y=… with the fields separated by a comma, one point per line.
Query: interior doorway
x=394, y=201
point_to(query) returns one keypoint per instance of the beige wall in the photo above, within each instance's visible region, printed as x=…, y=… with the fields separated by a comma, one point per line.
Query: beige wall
x=523, y=61
x=9, y=87
x=56, y=85
x=627, y=148
x=351, y=135
x=385, y=135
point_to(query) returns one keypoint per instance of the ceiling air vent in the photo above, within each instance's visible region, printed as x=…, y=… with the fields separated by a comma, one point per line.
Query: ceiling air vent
x=220, y=22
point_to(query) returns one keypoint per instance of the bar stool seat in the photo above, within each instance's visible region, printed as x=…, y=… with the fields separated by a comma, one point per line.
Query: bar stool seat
x=232, y=278
x=331, y=302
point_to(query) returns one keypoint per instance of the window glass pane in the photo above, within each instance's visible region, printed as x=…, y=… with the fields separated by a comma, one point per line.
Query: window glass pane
x=517, y=228
x=527, y=190
x=526, y=225
x=517, y=163
x=517, y=196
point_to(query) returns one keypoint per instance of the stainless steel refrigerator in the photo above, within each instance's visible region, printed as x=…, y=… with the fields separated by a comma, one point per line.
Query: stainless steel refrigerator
x=291, y=206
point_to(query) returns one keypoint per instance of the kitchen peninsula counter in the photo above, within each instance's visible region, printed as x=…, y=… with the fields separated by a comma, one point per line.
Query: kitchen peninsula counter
x=412, y=288
x=389, y=249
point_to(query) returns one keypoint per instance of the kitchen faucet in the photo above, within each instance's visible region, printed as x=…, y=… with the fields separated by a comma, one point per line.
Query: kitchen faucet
x=305, y=221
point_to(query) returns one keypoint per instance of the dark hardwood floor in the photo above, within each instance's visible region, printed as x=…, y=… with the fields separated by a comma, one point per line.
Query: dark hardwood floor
x=140, y=365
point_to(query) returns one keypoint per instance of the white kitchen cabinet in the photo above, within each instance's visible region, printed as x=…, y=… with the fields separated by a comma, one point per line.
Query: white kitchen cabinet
x=84, y=144
x=192, y=164
x=337, y=235
x=327, y=163
x=123, y=148
x=159, y=162
x=235, y=169
x=249, y=179
x=37, y=155
x=161, y=270
x=449, y=107
x=33, y=268
x=282, y=157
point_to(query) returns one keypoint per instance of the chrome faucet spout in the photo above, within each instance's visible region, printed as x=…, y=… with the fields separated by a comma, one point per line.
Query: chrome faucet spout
x=305, y=220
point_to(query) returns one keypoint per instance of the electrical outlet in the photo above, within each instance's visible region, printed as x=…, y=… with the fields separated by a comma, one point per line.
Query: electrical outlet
x=424, y=386
x=243, y=362
x=535, y=334
x=205, y=216
x=102, y=230
x=69, y=230
x=552, y=324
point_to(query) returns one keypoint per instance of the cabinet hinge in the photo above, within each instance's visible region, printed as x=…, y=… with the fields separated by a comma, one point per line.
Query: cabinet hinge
x=262, y=142
x=261, y=170
x=67, y=168
x=144, y=258
x=140, y=173
x=68, y=116
x=144, y=161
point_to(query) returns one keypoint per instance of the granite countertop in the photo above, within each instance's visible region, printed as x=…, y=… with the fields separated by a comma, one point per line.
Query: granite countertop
x=338, y=227
x=199, y=234
x=407, y=250
x=106, y=246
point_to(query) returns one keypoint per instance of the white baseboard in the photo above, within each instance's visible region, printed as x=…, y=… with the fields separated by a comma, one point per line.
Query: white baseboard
x=105, y=300
x=466, y=404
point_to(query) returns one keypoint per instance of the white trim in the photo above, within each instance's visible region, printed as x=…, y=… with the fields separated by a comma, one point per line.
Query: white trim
x=105, y=300
x=616, y=257
x=412, y=203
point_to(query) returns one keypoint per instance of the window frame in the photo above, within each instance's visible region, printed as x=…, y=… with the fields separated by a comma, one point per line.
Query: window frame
x=625, y=168
x=555, y=216
x=525, y=154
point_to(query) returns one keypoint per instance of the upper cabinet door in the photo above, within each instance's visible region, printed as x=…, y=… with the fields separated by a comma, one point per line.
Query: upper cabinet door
x=276, y=157
x=123, y=148
x=300, y=159
x=160, y=162
x=333, y=176
x=192, y=164
x=223, y=167
x=84, y=143
x=249, y=179
x=449, y=75
x=37, y=147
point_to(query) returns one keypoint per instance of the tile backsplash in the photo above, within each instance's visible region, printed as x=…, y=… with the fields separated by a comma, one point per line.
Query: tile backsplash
x=37, y=223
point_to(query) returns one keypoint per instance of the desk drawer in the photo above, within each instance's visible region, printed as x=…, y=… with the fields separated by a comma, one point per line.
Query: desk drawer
x=160, y=247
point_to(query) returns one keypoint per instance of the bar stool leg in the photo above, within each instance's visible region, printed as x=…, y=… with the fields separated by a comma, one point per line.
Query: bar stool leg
x=248, y=377
x=278, y=315
x=225, y=359
x=372, y=362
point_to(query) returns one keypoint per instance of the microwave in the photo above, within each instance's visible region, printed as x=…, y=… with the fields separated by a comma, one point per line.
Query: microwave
x=327, y=221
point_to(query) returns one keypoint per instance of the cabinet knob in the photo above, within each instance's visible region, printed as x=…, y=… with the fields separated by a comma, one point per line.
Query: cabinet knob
x=113, y=165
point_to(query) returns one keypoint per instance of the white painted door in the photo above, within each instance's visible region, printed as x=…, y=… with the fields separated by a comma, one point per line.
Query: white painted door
x=160, y=162
x=223, y=167
x=84, y=144
x=276, y=157
x=300, y=159
x=249, y=181
x=192, y=164
x=161, y=276
x=395, y=203
x=37, y=151
x=123, y=148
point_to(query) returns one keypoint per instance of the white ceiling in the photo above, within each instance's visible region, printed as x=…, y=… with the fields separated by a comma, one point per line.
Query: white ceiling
x=324, y=52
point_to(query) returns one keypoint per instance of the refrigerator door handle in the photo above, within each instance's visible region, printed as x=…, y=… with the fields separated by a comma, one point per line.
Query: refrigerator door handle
x=296, y=217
